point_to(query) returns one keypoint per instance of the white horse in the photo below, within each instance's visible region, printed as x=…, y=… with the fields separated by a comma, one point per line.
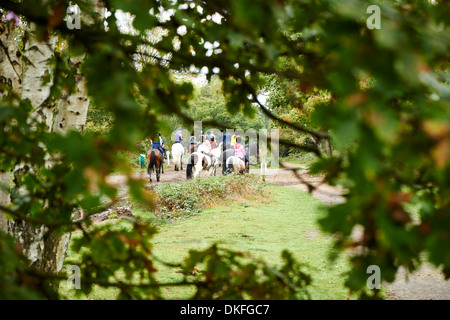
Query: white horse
x=199, y=162
x=217, y=157
x=204, y=147
x=214, y=154
x=217, y=151
x=236, y=164
x=177, y=154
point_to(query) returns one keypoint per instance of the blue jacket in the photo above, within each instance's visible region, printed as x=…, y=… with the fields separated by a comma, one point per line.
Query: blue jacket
x=226, y=138
x=156, y=144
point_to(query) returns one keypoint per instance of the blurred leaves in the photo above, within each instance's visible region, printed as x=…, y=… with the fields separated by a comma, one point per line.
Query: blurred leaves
x=232, y=275
x=382, y=95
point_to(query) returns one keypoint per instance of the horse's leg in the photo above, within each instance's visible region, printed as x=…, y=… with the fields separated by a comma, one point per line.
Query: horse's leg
x=162, y=167
x=158, y=173
x=181, y=162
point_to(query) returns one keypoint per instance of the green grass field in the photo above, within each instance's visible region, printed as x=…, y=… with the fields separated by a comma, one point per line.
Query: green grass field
x=264, y=230
x=263, y=227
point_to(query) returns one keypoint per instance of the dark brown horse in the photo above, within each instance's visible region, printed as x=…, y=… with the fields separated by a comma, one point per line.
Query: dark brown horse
x=155, y=161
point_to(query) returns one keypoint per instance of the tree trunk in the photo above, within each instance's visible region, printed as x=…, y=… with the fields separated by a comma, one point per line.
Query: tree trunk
x=38, y=75
x=326, y=143
x=10, y=77
x=72, y=109
x=328, y=150
x=45, y=248
x=10, y=59
x=4, y=198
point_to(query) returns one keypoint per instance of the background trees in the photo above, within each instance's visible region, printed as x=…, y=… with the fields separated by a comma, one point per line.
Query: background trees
x=209, y=105
x=387, y=114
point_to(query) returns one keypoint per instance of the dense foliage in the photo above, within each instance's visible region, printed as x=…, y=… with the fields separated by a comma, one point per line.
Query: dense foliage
x=186, y=198
x=392, y=136
x=210, y=105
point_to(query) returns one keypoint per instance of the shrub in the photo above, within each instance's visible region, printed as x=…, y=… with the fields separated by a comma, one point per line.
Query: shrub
x=189, y=197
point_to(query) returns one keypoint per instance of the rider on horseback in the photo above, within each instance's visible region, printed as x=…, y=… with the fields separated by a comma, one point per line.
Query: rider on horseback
x=213, y=143
x=225, y=139
x=159, y=145
x=210, y=135
x=233, y=140
x=239, y=151
x=178, y=136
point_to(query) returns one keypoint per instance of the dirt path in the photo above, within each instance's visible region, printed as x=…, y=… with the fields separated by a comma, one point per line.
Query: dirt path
x=299, y=179
x=281, y=177
x=425, y=284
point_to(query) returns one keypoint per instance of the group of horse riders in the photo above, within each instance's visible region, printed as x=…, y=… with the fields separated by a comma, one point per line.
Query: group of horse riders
x=228, y=141
x=208, y=140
